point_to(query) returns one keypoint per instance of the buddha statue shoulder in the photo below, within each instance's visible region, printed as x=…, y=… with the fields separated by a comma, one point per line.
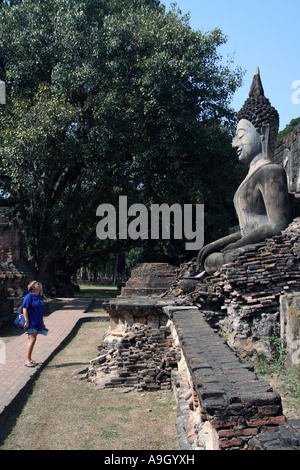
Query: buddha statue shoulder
x=261, y=201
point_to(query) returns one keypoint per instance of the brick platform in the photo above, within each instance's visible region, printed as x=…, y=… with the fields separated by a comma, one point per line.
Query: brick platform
x=235, y=404
x=222, y=405
x=14, y=376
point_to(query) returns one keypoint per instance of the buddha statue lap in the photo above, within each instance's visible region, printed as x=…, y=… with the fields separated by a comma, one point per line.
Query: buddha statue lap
x=262, y=200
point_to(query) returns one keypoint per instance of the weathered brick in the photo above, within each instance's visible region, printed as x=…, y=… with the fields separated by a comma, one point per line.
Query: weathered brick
x=270, y=410
x=230, y=443
x=274, y=420
x=219, y=424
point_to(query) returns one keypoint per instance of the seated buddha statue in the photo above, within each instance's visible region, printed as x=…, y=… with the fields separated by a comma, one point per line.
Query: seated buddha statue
x=261, y=201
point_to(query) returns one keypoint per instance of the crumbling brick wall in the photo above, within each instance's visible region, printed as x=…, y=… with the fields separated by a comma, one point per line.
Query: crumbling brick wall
x=149, y=279
x=233, y=406
x=250, y=288
x=15, y=273
x=243, y=298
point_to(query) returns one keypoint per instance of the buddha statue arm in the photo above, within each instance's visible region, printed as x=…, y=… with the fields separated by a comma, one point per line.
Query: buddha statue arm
x=216, y=246
x=273, y=188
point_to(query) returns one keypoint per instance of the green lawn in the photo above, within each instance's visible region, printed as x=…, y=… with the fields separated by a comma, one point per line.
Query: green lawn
x=98, y=292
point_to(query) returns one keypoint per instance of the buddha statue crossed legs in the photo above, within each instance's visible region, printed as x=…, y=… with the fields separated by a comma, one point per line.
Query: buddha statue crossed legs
x=262, y=200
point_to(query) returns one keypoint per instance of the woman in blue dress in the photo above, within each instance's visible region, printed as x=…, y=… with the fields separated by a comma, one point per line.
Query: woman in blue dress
x=33, y=311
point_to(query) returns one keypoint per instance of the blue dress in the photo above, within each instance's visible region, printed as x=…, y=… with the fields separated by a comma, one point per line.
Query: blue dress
x=35, y=306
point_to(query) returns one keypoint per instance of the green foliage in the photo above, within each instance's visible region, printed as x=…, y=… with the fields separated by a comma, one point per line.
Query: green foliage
x=289, y=128
x=276, y=360
x=109, y=98
x=276, y=367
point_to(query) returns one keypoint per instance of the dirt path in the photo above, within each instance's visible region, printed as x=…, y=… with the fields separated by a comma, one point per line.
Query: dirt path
x=62, y=413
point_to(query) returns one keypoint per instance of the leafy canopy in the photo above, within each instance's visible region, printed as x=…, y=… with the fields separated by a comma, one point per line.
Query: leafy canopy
x=106, y=98
x=289, y=128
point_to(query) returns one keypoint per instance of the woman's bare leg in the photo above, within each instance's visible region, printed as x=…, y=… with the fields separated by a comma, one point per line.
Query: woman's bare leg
x=30, y=345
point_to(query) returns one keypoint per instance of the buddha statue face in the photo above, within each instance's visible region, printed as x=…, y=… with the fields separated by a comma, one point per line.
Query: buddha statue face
x=247, y=141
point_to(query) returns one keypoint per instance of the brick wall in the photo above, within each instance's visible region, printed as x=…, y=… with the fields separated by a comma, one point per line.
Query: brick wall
x=222, y=405
x=14, y=271
x=148, y=279
x=243, y=298
x=233, y=405
x=249, y=289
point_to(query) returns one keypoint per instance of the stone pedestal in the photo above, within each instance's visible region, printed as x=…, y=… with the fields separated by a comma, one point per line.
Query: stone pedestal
x=124, y=313
x=139, y=302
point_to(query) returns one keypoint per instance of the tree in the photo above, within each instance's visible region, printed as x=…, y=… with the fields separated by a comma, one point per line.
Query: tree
x=289, y=128
x=104, y=98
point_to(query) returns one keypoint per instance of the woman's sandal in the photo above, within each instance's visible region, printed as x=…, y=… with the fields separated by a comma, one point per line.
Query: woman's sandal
x=29, y=364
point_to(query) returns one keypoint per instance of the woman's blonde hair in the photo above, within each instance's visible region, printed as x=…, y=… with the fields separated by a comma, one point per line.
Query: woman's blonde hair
x=33, y=283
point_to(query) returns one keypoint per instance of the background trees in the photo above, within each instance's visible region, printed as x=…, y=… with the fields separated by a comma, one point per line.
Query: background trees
x=109, y=98
x=289, y=128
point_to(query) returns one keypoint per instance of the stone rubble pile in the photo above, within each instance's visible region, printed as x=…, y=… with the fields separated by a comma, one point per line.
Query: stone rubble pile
x=257, y=276
x=185, y=289
x=264, y=272
x=144, y=360
x=248, y=290
x=243, y=298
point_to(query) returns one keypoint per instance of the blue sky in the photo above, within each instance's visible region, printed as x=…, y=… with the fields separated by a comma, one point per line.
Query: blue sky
x=264, y=33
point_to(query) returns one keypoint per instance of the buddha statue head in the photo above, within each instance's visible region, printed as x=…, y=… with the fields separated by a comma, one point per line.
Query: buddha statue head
x=258, y=124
